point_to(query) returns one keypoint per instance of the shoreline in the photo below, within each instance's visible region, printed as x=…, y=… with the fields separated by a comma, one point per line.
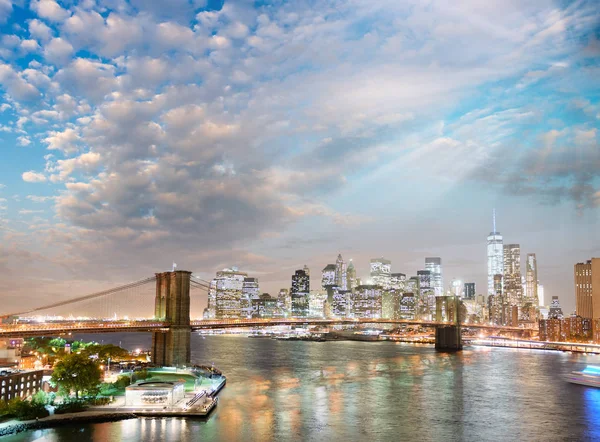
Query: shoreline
x=59, y=420
x=95, y=415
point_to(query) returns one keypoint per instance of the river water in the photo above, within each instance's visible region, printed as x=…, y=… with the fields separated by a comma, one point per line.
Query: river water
x=368, y=391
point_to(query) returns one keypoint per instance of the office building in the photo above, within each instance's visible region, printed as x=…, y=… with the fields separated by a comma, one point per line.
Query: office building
x=381, y=270
x=469, y=291
x=350, y=276
x=250, y=292
x=426, y=294
x=299, y=294
x=587, y=288
x=555, y=309
x=316, y=303
x=340, y=273
x=495, y=256
x=228, y=287
x=391, y=304
x=328, y=276
x=434, y=265
x=366, y=302
x=341, y=305
x=531, y=280
x=284, y=302
x=265, y=307
x=398, y=281
x=408, y=304
x=512, y=288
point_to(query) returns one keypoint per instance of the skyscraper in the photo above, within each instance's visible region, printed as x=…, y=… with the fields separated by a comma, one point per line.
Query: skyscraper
x=513, y=290
x=426, y=294
x=587, y=289
x=381, y=270
x=366, y=302
x=328, y=276
x=284, y=302
x=555, y=309
x=350, y=276
x=434, y=265
x=250, y=292
x=398, y=281
x=300, y=294
x=340, y=273
x=228, y=286
x=470, y=291
x=495, y=256
x=531, y=278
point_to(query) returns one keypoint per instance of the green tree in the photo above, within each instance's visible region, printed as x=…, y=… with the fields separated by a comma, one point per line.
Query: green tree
x=105, y=351
x=76, y=373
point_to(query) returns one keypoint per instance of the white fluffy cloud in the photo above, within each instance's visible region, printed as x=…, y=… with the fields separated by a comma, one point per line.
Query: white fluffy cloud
x=58, y=51
x=49, y=9
x=33, y=177
x=231, y=125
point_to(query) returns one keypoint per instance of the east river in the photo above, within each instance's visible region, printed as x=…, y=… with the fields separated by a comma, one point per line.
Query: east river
x=368, y=391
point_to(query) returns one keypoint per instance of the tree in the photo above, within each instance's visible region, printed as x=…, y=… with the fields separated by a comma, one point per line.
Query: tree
x=105, y=351
x=76, y=373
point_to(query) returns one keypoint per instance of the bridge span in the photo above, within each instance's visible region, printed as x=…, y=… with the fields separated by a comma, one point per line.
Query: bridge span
x=151, y=325
x=171, y=326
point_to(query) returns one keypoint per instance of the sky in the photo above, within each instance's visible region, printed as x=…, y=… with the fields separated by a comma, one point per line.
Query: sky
x=269, y=135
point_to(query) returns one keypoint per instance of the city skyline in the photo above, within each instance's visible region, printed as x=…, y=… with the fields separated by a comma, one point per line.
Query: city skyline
x=270, y=136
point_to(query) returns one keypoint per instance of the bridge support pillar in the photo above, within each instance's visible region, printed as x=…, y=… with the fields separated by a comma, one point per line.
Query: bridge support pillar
x=449, y=337
x=172, y=305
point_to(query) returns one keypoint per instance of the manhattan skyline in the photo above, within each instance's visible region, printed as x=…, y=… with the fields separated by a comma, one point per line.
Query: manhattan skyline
x=277, y=135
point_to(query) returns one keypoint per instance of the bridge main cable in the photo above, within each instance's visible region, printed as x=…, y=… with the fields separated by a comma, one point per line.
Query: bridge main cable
x=86, y=297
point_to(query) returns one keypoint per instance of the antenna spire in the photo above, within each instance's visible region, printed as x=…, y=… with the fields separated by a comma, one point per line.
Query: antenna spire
x=494, y=217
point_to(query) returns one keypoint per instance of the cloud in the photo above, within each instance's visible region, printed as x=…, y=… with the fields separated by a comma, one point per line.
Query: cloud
x=58, y=51
x=562, y=167
x=23, y=141
x=5, y=10
x=15, y=85
x=65, y=141
x=50, y=10
x=39, y=30
x=87, y=162
x=40, y=199
x=33, y=177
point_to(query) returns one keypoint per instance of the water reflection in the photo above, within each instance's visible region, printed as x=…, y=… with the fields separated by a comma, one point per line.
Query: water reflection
x=345, y=391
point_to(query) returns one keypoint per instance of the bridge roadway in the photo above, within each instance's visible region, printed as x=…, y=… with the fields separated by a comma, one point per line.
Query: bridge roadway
x=70, y=327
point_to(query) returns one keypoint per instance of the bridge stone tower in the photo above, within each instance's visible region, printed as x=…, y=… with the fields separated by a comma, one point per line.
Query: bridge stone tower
x=449, y=337
x=172, y=304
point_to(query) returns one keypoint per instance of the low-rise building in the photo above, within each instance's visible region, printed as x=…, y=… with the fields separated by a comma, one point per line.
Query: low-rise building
x=154, y=394
x=16, y=383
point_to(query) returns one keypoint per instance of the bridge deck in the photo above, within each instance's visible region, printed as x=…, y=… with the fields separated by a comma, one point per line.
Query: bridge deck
x=70, y=327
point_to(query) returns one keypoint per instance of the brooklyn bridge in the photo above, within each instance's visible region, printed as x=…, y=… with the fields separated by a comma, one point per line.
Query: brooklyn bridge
x=171, y=324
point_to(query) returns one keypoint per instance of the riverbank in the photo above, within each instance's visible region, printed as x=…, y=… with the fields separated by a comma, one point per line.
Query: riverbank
x=57, y=420
x=112, y=414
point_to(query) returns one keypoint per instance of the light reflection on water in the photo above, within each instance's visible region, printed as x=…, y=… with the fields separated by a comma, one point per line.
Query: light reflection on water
x=370, y=391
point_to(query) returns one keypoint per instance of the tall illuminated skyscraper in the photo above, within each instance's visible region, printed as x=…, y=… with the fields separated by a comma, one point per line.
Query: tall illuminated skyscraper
x=495, y=256
x=513, y=289
x=228, y=286
x=531, y=278
x=434, y=265
x=340, y=273
x=350, y=276
x=587, y=289
x=381, y=270
x=300, y=294
x=250, y=292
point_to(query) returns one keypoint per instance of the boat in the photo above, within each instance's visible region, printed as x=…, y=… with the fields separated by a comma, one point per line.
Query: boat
x=590, y=376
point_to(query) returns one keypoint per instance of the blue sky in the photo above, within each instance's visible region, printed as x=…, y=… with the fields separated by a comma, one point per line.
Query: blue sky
x=270, y=135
